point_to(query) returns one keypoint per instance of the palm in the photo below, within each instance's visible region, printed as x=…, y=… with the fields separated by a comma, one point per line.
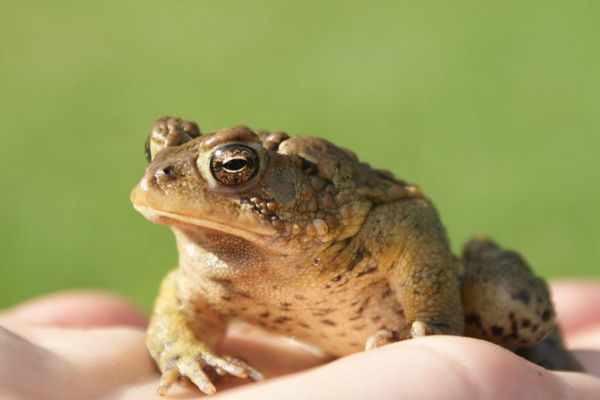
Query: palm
x=92, y=346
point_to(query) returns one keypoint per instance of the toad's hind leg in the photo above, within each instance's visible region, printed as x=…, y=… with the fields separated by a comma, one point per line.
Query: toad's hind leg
x=550, y=353
x=505, y=303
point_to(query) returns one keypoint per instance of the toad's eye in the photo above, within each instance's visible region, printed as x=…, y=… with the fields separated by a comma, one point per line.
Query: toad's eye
x=234, y=164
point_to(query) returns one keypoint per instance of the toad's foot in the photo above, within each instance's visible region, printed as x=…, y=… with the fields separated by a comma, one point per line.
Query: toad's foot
x=381, y=338
x=417, y=329
x=422, y=328
x=194, y=362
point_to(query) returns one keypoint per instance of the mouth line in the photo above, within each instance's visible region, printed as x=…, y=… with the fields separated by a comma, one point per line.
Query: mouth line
x=159, y=216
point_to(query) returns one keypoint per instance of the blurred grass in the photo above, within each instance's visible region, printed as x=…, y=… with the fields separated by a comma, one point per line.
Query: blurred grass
x=491, y=108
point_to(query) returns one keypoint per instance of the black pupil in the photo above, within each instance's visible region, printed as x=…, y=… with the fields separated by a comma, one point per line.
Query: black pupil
x=236, y=164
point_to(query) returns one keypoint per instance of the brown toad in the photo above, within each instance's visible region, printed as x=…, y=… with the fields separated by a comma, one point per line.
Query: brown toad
x=297, y=236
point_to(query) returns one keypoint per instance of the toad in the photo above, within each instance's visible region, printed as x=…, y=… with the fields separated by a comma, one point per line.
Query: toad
x=297, y=236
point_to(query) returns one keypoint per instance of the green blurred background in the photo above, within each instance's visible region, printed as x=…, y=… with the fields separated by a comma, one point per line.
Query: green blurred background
x=491, y=107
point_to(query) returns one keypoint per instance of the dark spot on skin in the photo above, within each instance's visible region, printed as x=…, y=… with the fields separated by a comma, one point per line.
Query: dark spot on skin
x=497, y=330
x=264, y=314
x=400, y=313
x=323, y=312
x=522, y=296
x=357, y=257
x=299, y=297
x=286, y=306
x=243, y=294
x=342, y=334
x=354, y=344
x=354, y=318
x=387, y=292
x=336, y=278
x=263, y=324
x=281, y=320
x=473, y=319
x=363, y=306
x=226, y=298
x=302, y=324
x=546, y=315
x=376, y=318
x=525, y=323
x=221, y=281
x=369, y=270
x=308, y=167
x=329, y=322
x=534, y=328
x=359, y=327
x=327, y=286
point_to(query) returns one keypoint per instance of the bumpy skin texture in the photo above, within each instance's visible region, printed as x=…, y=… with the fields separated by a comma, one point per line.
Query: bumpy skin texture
x=296, y=235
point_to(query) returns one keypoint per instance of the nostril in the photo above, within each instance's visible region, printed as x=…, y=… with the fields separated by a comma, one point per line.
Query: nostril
x=165, y=174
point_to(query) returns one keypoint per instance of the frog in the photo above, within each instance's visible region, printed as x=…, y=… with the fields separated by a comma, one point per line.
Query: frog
x=297, y=236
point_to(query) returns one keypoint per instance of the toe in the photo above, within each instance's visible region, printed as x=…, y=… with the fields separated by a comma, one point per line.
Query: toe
x=167, y=379
x=226, y=364
x=249, y=371
x=190, y=368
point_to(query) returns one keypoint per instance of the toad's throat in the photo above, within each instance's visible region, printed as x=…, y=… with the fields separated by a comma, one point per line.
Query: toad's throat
x=252, y=234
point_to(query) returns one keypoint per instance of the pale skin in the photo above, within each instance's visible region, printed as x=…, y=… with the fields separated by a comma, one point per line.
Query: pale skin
x=91, y=345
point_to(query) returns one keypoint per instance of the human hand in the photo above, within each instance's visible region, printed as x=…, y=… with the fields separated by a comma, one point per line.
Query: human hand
x=90, y=345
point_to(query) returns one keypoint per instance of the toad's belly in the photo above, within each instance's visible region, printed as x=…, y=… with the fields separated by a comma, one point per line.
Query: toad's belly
x=339, y=323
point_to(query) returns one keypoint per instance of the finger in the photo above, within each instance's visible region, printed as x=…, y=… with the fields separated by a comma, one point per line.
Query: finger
x=587, y=348
x=23, y=362
x=53, y=363
x=575, y=304
x=427, y=368
x=98, y=359
x=75, y=309
x=583, y=386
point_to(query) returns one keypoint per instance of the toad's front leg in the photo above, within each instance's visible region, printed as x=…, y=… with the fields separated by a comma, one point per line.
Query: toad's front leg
x=423, y=278
x=182, y=337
